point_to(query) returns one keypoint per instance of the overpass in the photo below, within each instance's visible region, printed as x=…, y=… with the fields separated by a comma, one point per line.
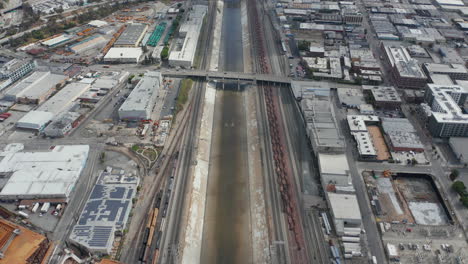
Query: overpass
x=228, y=76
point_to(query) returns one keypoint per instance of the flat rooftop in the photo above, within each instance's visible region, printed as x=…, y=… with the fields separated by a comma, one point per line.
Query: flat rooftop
x=36, y=85
x=344, y=206
x=42, y=174
x=63, y=99
x=106, y=211
x=131, y=34
x=383, y=93
x=401, y=132
x=336, y=164
x=142, y=96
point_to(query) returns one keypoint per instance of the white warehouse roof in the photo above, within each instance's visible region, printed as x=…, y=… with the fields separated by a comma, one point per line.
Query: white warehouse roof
x=63, y=100
x=34, y=86
x=50, y=174
x=124, y=54
x=344, y=206
x=336, y=164
x=35, y=120
x=97, y=23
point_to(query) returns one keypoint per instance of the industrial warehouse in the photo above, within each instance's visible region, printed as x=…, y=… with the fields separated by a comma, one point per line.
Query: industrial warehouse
x=35, y=175
x=36, y=88
x=106, y=212
x=139, y=104
x=184, y=55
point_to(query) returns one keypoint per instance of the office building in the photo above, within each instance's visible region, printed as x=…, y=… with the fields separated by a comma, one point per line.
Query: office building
x=455, y=71
x=447, y=119
x=404, y=69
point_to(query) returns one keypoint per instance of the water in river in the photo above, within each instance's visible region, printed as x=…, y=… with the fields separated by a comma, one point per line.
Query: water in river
x=227, y=229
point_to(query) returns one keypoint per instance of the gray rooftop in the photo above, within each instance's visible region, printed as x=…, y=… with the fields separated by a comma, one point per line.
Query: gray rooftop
x=131, y=34
x=401, y=132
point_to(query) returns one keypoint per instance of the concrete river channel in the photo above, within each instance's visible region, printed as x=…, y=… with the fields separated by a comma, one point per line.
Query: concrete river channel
x=227, y=227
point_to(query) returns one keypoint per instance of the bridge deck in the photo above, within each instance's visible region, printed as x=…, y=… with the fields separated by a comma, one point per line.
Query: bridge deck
x=228, y=76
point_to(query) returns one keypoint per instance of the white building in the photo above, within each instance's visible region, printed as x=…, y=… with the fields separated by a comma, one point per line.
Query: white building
x=49, y=174
x=190, y=30
x=15, y=69
x=345, y=211
x=334, y=169
x=63, y=100
x=447, y=118
x=35, y=120
x=35, y=88
x=123, y=55
x=141, y=101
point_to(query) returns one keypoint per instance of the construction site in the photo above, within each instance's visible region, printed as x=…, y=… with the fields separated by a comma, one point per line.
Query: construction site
x=414, y=221
x=406, y=198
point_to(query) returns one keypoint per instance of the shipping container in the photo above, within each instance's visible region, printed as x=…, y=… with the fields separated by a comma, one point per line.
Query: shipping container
x=23, y=214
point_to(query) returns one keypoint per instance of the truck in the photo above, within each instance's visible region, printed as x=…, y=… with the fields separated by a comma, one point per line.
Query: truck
x=23, y=214
x=35, y=207
x=45, y=207
x=4, y=116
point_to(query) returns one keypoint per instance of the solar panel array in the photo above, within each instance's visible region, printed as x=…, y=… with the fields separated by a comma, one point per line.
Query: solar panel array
x=105, y=212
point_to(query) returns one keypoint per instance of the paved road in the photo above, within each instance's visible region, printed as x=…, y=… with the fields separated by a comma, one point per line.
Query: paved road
x=373, y=236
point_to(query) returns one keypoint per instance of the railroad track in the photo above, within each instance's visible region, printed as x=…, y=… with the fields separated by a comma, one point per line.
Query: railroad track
x=282, y=164
x=280, y=256
x=187, y=152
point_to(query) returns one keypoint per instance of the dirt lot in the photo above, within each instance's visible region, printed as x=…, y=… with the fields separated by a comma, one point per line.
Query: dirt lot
x=379, y=143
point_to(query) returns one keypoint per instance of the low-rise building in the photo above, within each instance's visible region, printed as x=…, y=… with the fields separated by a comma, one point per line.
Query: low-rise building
x=36, y=88
x=321, y=125
x=351, y=98
x=35, y=120
x=38, y=175
x=455, y=71
x=123, y=55
x=15, y=69
x=141, y=101
x=106, y=211
x=345, y=211
x=334, y=169
x=131, y=36
x=21, y=245
x=62, y=125
x=401, y=135
x=385, y=97
x=63, y=100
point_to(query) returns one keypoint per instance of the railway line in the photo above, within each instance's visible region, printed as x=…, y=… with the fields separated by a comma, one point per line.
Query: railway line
x=167, y=251
x=282, y=165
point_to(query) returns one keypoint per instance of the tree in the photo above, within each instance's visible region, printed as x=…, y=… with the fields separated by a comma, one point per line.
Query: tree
x=464, y=200
x=454, y=174
x=303, y=45
x=165, y=53
x=459, y=187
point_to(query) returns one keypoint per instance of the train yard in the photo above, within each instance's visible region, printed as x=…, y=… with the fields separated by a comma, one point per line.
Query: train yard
x=282, y=167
